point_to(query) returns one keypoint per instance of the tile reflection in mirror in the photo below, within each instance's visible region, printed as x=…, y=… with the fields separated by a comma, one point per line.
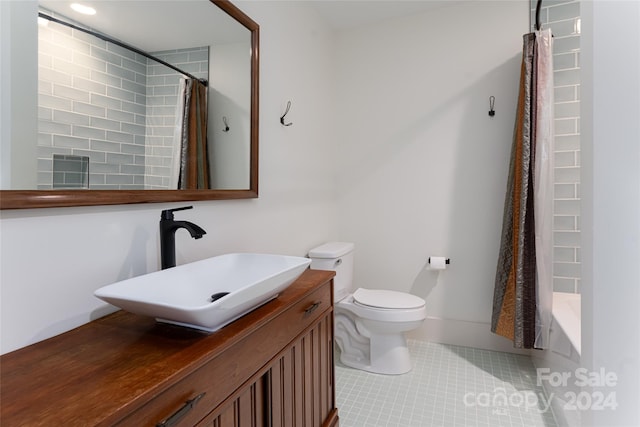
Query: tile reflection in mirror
x=70, y=171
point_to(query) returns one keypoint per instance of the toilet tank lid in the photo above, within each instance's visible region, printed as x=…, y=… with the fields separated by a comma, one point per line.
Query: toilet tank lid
x=382, y=298
x=331, y=250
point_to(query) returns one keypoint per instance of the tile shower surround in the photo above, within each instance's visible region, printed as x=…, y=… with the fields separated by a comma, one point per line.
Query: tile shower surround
x=162, y=98
x=102, y=101
x=563, y=17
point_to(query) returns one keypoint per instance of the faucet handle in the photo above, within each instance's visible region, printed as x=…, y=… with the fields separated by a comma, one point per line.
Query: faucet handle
x=168, y=213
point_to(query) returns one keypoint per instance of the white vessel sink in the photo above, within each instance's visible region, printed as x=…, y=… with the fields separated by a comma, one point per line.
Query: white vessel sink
x=182, y=295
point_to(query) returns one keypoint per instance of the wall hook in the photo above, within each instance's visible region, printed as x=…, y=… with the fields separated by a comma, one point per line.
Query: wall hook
x=285, y=113
x=492, y=102
x=226, y=125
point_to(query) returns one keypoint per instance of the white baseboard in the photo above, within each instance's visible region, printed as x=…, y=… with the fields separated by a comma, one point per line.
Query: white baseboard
x=463, y=333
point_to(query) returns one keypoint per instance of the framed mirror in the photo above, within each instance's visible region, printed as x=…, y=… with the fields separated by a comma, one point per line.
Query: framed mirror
x=111, y=132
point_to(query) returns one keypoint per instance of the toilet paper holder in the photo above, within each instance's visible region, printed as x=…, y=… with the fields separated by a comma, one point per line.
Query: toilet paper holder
x=446, y=261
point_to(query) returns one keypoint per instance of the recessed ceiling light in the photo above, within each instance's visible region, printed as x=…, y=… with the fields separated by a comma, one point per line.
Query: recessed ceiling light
x=80, y=8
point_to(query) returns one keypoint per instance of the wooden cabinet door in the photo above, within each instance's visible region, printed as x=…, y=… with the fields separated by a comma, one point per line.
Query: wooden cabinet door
x=295, y=391
x=296, y=387
x=301, y=381
x=246, y=409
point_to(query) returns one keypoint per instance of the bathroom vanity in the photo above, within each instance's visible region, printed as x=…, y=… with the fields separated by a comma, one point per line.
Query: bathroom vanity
x=272, y=367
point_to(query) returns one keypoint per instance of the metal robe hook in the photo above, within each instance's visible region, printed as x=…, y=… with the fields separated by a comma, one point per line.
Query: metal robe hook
x=226, y=125
x=492, y=102
x=285, y=113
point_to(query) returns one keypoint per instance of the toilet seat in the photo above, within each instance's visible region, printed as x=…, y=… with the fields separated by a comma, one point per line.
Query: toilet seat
x=385, y=314
x=385, y=299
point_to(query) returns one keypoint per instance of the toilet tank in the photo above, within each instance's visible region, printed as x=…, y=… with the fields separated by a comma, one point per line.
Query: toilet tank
x=338, y=257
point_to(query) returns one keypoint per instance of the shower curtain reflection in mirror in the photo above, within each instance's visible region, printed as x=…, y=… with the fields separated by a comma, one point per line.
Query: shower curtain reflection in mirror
x=190, y=168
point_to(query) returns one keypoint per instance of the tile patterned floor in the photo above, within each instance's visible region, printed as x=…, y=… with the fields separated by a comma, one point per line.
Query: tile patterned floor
x=449, y=386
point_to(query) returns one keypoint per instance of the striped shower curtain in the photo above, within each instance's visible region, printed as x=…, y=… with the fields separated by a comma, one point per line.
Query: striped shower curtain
x=523, y=286
x=190, y=169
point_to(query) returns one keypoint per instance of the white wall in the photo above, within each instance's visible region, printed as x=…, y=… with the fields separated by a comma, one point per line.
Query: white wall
x=423, y=168
x=53, y=259
x=611, y=204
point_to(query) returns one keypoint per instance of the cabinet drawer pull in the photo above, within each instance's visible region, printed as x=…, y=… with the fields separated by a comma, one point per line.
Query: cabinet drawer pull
x=311, y=308
x=177, y=416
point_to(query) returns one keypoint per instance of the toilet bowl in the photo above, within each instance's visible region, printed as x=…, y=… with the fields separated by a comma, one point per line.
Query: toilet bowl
x=369, y=323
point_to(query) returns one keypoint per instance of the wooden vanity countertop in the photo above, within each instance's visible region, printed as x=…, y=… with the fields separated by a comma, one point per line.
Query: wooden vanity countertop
x=112, y=366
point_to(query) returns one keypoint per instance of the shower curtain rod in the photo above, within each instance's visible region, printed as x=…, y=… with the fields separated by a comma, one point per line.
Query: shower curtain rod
x=121, y=44
x=538, y=7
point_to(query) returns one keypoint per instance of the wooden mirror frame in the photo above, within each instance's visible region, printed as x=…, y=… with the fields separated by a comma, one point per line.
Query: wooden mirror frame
x=26, y=199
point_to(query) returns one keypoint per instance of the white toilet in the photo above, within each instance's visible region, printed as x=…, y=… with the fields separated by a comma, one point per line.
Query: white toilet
x=369, y=324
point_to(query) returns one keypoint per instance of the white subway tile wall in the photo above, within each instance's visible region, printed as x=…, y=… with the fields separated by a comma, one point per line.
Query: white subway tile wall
x=563, y=17
x=104, y=102
x=162, y=98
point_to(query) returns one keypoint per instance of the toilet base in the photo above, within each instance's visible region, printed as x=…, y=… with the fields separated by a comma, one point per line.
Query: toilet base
x=389, y=356
x=378, y=353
